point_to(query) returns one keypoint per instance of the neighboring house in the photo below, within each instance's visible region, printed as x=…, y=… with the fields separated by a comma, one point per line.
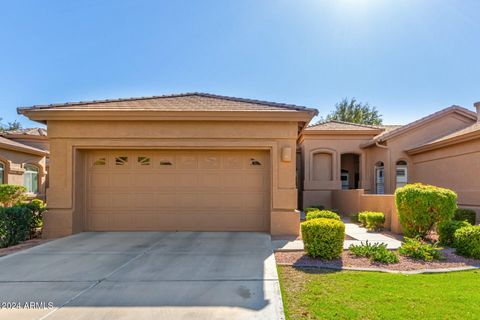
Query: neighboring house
x=182, y=162
x=441, y=149
x=23, y=160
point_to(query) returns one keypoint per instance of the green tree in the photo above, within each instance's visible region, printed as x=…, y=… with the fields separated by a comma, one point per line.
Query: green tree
x=356, y=112
x=15, y=125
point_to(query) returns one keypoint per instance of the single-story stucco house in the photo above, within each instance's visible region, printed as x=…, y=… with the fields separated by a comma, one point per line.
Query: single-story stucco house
x=24, y=160
x=205, y=162
x=181, y=162
x=441, y=149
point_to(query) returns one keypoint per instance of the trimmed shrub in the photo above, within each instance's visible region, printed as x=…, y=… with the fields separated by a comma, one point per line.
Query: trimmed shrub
x=467, y=241
x=310, y=209
x=362, y=218
x=323, y=238
x=377, y=252
x=462, y=214
x=20, y=222
x=446, y=231
x=374, y=220
x=37, y=208
x=322, y=214
x=11, y=194
x=417, y=249
x=14, y=225
x=421, y=207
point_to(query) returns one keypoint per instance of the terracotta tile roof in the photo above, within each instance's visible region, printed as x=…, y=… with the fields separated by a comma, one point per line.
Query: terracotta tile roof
x=28, y=132
x=390, y=127
x=10, y=144
x=387, y=134
x=342, y=125
x=177, y=102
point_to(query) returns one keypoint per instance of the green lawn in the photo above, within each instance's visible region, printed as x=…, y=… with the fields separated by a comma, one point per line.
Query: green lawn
x=321, y=294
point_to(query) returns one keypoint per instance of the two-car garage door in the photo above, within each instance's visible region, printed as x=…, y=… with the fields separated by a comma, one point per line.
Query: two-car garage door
x=197, y=190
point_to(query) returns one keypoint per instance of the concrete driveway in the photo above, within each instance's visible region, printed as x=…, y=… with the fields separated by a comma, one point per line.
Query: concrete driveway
x=143, y=275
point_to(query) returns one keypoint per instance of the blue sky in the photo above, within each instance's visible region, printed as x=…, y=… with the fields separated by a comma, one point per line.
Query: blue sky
x=407, y=57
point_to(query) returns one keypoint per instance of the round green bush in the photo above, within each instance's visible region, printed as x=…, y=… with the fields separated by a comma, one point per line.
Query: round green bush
x=362, y=218
x=462, y=214
x=374, y=220
x=322, y=214
x=446, y=230
x=421, y=207
x=310, y=209
x=323, y=238
x=467, y=241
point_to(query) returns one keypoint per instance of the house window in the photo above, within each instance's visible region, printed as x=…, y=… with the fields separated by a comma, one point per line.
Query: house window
x=344, y=176
x=143, y=161
x=100, y=162
x=2, y=173
x=255, y=162
x=30, y=178
x=120, y=161
x=401, y=173
x=165, y=163
x=379, y=178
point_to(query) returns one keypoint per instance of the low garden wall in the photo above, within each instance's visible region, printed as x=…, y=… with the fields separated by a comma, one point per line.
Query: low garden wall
x=348, y=202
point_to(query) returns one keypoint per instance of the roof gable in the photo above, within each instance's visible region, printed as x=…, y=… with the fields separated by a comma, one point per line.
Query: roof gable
x=17, y=146
x=388, y=134
x=176, y=102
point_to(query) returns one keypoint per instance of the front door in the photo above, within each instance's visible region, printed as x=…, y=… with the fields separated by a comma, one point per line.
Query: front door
x=379, y=180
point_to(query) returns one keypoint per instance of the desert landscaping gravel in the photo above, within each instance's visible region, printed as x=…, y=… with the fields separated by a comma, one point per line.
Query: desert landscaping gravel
x=300, y=259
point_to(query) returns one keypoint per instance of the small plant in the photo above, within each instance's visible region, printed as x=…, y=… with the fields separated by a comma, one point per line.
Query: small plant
x=323, y=238
x=354, y=217
x=11, y=194
x=376, y=252
x=374, y=220
x=467, y=241
x=421, y=207
x=446, y=231
x=417, y=249
x=462, y=214
x=322, y=214
x=362, y=218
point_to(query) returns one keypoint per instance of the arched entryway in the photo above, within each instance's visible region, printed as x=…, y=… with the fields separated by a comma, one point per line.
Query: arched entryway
x=350, y=171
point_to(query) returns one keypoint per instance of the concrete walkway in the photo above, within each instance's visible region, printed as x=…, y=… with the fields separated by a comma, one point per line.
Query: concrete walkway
x=143, y=275
x=355, y=235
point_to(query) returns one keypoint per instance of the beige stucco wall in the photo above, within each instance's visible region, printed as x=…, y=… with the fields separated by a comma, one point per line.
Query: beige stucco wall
x=70, y=139
x=348, y=202
x=15, y=161
x=396, y=147
x=456, y=167
x=320, y=192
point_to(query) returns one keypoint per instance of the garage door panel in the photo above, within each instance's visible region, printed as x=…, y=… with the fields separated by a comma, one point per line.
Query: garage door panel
x=99, y=180
x=120, y=200
x=120, y=179
x=143, y=201
x=99, y=201
x=178, y=190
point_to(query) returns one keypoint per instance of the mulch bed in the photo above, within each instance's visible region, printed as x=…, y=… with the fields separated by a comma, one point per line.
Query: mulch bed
x=22, y=246
x=299, y=259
